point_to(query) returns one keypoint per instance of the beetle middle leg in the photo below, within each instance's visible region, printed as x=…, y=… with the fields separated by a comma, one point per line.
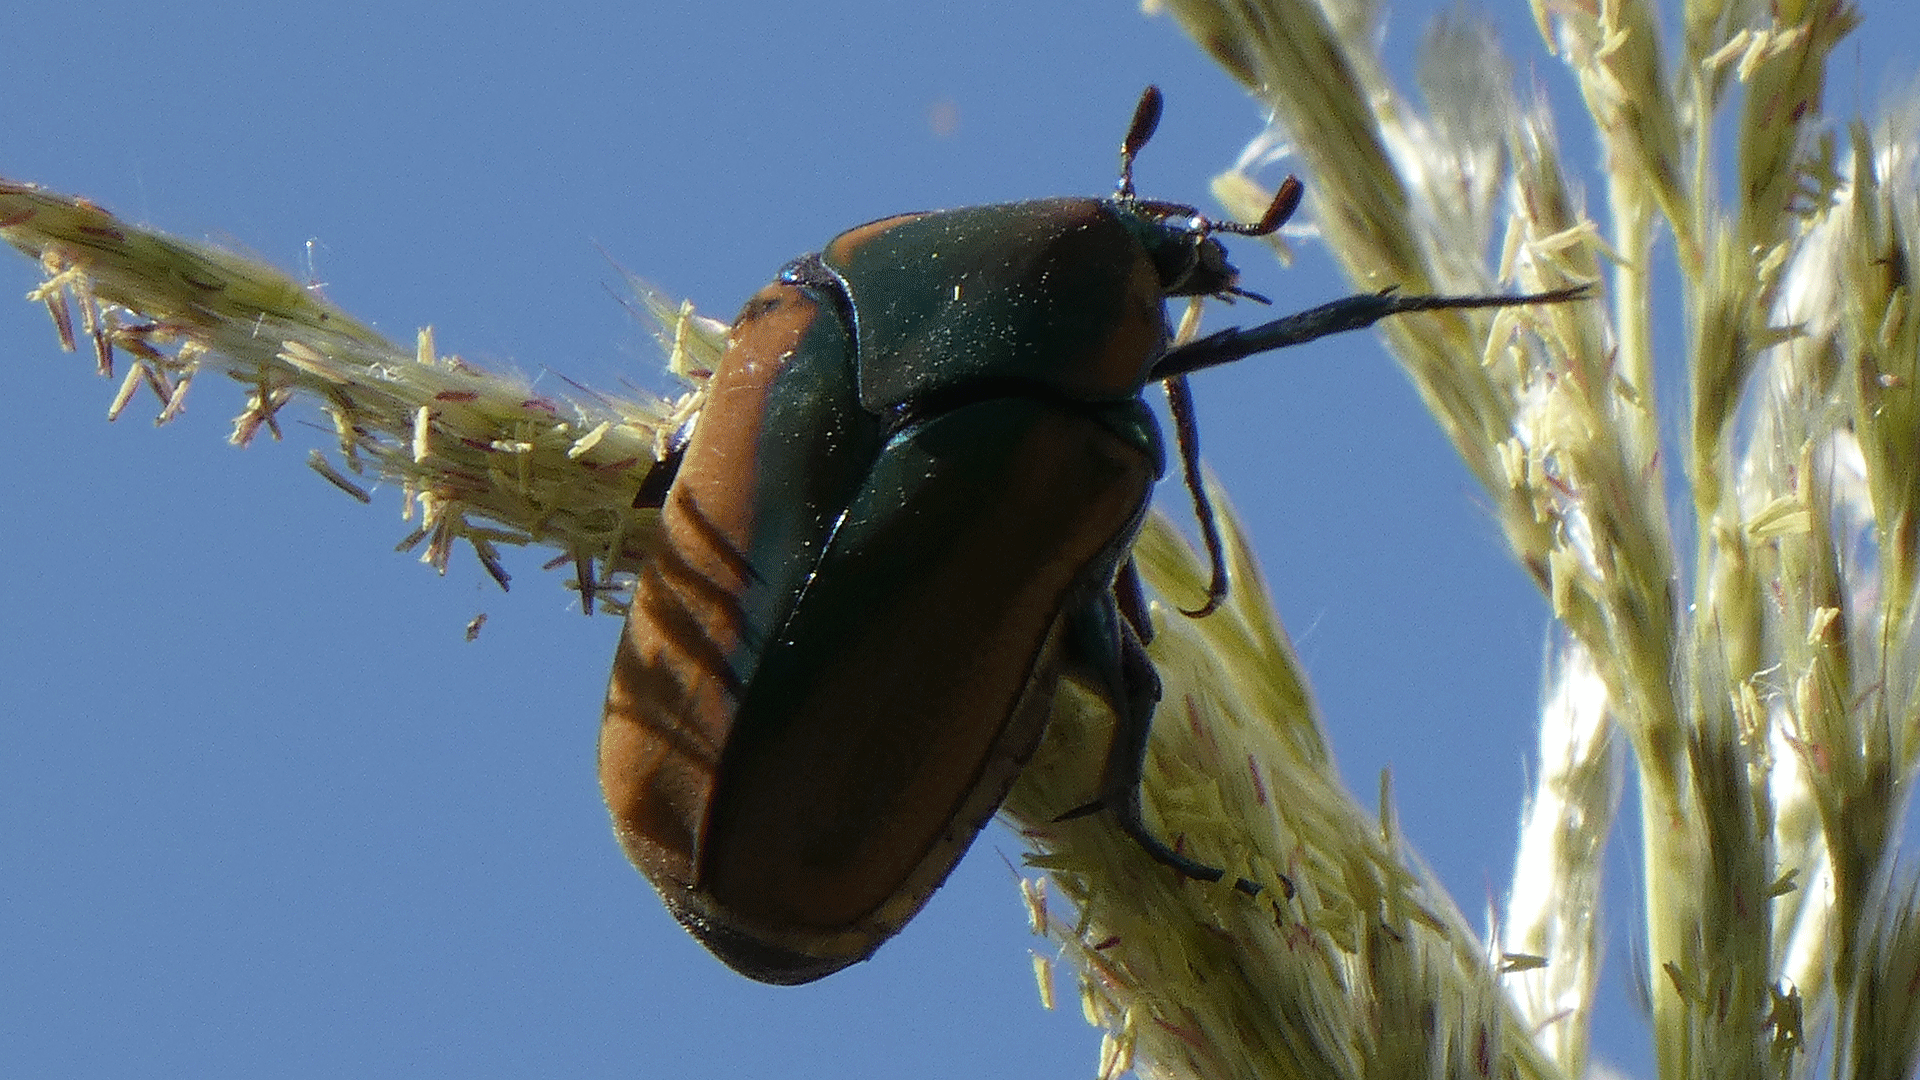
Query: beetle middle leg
x=1186, y=431
x=1111, y=643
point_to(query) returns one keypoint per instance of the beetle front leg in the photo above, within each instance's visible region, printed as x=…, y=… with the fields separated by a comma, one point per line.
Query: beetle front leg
x=1134, y=692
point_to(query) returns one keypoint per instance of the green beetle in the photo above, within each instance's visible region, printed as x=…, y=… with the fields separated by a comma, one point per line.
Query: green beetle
x=903, y=515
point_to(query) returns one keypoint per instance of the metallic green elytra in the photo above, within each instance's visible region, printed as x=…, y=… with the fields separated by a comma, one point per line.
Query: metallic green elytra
x=903, y=515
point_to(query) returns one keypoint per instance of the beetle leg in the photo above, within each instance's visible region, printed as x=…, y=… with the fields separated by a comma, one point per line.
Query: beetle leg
x=1186, y=434
x=1339, y=316
x=1127, y=763
x=659, y=480
x=1131, y=597
x=1134, y=692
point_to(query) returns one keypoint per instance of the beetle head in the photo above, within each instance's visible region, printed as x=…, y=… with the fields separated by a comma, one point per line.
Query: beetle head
x=1179, y=238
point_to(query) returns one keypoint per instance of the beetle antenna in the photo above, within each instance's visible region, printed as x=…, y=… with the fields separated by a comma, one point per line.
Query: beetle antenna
x=1146, y=118
x=1279, y=211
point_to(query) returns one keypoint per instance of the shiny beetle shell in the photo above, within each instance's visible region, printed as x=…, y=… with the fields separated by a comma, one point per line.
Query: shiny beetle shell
x=899, y=520
x=837, y=665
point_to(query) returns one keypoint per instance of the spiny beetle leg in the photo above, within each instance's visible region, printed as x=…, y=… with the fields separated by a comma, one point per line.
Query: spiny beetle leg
x=1348, y=313
x=659, y=480
x=1095, y=647
x=1131, y=597
x=1186, y=434
x=1134, y=693
x=1127, y=764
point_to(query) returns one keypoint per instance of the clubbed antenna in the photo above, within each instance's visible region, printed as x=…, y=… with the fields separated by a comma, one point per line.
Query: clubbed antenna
x=1279, y=212
x=1146, y=118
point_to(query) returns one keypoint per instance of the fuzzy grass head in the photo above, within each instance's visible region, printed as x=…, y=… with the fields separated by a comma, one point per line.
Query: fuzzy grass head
x=1764, y=680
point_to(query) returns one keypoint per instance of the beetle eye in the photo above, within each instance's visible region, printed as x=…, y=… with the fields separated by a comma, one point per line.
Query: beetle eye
x=1214, y=265
x=1205, y=270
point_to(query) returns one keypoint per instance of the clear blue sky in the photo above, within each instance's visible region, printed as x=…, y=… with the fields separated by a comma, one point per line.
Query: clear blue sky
x=265, y=813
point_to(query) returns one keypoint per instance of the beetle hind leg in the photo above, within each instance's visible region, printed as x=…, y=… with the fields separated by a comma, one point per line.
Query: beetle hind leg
x=1134, y=693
